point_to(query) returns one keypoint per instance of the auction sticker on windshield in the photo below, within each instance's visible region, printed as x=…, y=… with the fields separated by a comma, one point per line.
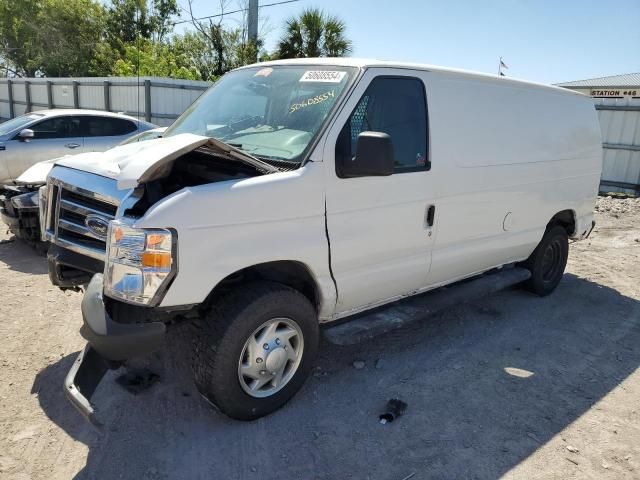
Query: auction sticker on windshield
x=326, y=76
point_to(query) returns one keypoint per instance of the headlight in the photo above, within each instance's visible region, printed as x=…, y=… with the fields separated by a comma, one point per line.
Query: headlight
x=140, y=264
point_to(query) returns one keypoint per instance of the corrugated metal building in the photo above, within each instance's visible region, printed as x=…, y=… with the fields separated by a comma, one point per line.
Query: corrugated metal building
x=617, y=100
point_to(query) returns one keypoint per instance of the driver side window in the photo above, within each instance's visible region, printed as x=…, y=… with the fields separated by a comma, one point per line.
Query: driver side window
x=396, y=106
x=57, y=127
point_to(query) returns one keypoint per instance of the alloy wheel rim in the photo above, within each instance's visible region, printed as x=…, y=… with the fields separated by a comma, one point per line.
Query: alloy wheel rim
x=270, y=357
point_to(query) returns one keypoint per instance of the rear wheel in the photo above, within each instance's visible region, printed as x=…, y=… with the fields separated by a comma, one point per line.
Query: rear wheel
x=254, y=349
x=548, y=261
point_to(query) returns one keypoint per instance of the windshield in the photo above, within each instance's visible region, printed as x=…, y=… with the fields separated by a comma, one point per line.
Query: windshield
x=272, y=113
x=18, y=122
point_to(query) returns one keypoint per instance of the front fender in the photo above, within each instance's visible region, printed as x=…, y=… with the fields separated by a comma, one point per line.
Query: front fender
x=228, y=226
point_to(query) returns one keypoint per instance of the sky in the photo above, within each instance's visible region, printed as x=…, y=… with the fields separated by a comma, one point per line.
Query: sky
x=545, y=41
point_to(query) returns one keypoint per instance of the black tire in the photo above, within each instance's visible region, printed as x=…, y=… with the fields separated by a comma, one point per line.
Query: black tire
x=221, y=335
x=548, y=261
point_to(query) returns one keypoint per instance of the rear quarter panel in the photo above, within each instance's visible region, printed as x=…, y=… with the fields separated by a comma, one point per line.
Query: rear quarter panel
x=510, y=155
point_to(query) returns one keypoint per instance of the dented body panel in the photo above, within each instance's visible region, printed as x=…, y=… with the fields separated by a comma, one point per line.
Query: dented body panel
x=227, y=226
x=355, y=184
x=485, y=201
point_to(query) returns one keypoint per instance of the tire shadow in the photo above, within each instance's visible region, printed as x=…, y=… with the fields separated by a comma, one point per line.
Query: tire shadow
x=487, y=384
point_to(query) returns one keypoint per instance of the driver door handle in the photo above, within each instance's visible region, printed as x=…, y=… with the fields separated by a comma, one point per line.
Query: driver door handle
x=72, y=145
x=430, y=215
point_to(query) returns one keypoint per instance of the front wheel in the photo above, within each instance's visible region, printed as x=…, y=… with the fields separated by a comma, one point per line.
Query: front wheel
x=548, y=261
x=255, y=349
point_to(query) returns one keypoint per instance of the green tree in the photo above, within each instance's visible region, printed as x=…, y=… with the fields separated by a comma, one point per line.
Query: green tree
x=154, y=59
x=50, y=37
x=194, y=48
x=18, y=28
x=314, y=34
x=103, y=59
x=68, y=33
x=161, y=19
x=128, y=20
x=221, y=47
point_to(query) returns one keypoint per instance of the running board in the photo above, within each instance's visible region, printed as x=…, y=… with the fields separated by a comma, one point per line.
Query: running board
x=384, y=319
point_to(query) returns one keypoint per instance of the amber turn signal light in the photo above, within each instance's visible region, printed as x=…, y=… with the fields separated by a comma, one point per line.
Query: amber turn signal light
x=156, y=259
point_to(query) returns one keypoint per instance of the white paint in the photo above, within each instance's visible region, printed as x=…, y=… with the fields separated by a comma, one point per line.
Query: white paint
x=496, y=146
x=380, y=247
x=36, y=174
x=518, y=372
x=618, y=127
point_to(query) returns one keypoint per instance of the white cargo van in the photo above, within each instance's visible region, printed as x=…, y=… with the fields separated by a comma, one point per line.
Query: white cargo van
x=296, y=193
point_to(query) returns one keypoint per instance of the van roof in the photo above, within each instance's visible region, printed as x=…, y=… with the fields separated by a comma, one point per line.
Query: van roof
x=370, y=63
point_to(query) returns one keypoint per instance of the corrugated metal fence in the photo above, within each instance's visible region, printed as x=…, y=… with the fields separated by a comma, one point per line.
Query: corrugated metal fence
x=158, y=100
x=620, y=125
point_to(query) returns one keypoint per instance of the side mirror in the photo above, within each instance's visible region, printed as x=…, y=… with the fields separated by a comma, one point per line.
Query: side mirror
x=26, y=134
x=374, y=157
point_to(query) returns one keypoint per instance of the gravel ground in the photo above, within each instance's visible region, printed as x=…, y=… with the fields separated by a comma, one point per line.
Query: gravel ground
x=512, y=386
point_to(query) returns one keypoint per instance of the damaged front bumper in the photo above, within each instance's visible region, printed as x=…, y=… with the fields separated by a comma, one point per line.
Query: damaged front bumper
x=19, y=211
x=83, y=379
x=110, y=343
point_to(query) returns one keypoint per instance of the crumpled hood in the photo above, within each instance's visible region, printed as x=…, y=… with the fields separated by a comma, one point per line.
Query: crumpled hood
x=141, y=162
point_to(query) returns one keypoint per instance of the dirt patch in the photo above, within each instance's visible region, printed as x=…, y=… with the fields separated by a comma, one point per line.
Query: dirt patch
x=615, y=207
x=514, y=386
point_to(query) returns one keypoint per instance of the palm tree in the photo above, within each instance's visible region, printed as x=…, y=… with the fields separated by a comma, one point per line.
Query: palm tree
x=314, y=34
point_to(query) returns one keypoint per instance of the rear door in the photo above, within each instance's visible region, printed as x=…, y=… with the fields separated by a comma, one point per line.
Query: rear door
x=381, y=229
x=102, y=133
x=52, y=137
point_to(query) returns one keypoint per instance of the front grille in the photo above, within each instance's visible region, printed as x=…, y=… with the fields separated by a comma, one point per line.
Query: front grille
x=89, y=202
x=68, y=207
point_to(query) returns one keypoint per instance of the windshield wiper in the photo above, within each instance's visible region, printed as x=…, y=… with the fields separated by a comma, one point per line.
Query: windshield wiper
x=242, y=124
x=235, y=135
x=235, y=152
x=264, y=158
x=275, y=158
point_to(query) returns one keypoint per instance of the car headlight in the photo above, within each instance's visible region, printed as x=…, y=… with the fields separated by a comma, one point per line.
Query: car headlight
x=140, y=263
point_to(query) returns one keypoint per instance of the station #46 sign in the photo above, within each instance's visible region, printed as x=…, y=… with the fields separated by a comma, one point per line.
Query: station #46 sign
x=615, y=92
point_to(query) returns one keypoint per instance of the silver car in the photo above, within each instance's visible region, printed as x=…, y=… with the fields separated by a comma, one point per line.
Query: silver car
x=46, y=134
x=19, y=202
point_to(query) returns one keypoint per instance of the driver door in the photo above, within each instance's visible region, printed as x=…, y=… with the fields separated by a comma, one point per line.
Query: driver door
x=52, y=138
x=381, y=229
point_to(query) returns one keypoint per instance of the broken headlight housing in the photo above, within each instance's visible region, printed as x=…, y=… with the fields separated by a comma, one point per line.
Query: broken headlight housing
x=140, y=263
x=43, y=191
x=25, y=202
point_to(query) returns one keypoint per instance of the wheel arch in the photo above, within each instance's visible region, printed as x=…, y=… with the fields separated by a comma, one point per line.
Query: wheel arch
x=566, y=219
x=291, y=273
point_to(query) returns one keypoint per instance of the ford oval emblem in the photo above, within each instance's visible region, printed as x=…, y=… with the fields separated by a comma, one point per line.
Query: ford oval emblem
x=97, y=225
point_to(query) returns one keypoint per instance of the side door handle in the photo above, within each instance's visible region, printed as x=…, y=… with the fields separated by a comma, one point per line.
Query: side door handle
x=430, y=215
x=72, y=145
